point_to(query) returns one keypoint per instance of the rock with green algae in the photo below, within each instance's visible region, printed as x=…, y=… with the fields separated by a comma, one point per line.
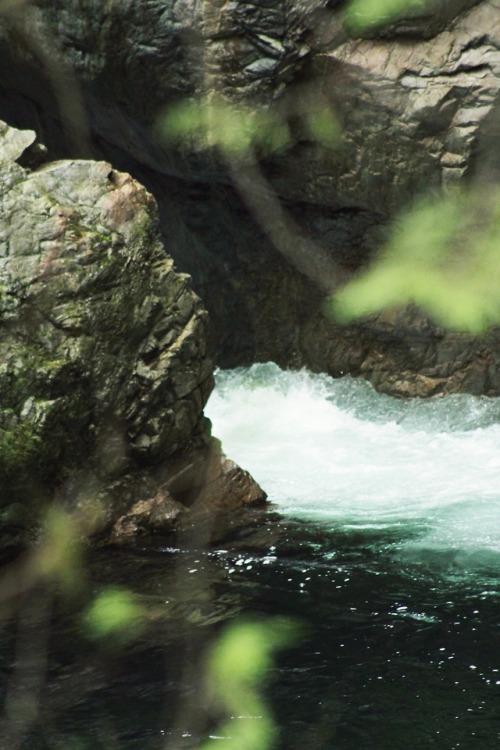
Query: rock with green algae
x=103, y=365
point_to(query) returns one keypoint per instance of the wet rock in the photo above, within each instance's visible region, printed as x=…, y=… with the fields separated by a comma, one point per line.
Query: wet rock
x=264, y=310
x=196, y=496
x=103, y=365
x=158, y=513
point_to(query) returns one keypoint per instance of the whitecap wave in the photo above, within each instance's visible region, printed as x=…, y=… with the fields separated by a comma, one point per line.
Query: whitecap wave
x=337, y=451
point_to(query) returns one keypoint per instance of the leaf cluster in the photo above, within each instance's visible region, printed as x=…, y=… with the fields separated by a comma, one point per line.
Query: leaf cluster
x=443, y=255
x=238, y=130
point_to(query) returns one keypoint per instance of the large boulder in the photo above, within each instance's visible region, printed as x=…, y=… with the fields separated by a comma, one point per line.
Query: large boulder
x=417, y=102
x=103, y=365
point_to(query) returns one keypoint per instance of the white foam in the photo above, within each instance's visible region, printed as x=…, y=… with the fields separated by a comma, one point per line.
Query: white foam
x=338, y=451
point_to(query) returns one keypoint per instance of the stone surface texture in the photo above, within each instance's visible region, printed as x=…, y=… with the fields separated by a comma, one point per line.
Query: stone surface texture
x=417, y=102
x=103, y=365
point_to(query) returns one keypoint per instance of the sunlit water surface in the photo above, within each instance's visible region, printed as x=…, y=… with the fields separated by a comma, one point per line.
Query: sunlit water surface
x=338, y=452
x=387, y=553
x=402, y=591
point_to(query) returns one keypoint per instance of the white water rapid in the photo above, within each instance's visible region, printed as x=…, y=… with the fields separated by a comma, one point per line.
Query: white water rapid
x=337, y=451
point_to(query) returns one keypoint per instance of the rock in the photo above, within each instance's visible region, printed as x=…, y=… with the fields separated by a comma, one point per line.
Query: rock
x=417, y=101
x=158, y=513
x=226, y=487
x=412, y=112
x=103, y=365
x=213, y=511
x=262, y=309
x=198, y=496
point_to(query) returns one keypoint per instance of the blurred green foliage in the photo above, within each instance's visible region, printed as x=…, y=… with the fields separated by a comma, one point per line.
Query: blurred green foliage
x=364, y=15
x=237, y=130
x=443, y=256
x=59, y=558
x=116, y=614
x=238, y=666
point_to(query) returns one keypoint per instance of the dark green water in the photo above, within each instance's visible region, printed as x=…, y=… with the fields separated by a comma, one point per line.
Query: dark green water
x=387, y=554
x=393, y=654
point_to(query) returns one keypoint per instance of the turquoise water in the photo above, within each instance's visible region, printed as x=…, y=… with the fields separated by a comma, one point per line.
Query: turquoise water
x=382, y=542
x=336, y=451
x=400, y=580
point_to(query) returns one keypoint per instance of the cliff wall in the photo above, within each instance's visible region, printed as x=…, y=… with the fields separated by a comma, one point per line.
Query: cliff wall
x=416, y=105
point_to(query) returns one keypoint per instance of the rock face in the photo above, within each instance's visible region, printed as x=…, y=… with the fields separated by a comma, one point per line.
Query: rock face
x=103, y=366
x=417, y=102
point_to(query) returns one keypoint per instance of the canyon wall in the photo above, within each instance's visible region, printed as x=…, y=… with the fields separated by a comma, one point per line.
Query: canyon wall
x=416, y=106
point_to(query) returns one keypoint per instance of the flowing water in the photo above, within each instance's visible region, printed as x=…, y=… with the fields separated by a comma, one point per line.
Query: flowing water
x=386, y=549
x=402, y=590
x=336, y=451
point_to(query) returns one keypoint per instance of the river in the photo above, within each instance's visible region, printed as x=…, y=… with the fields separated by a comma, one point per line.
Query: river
x=383, y=542
x=402, y=592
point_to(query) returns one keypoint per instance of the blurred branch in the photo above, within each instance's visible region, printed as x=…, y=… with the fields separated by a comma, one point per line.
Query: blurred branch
x=22, y=704
x=300, y=250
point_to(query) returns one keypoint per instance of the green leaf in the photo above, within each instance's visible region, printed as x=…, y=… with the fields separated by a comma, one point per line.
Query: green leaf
x=59, y=557
x=115, y=612
x=237, y=130
x=238, y=666
x=444, y=255
x=362, y=15
x=324, y=127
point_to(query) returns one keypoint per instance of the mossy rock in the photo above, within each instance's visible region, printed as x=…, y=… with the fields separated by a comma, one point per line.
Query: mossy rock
x=103, y=365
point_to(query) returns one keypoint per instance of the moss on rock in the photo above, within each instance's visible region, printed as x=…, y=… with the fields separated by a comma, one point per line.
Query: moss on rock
x=103, y=366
